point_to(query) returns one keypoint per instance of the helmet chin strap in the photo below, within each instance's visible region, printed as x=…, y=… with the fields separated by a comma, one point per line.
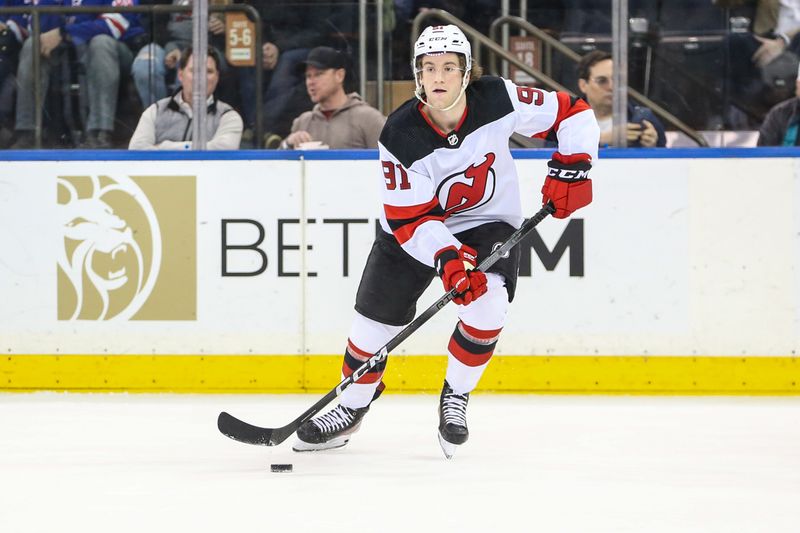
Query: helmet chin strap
x=464, y=83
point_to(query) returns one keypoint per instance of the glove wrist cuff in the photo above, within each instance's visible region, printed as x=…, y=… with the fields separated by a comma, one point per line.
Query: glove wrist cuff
x=442, y=257
x=568, y=172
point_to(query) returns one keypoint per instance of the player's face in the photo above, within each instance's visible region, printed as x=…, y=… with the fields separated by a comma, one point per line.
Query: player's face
x=599, y=88
x=322, y=84
x=441, y=77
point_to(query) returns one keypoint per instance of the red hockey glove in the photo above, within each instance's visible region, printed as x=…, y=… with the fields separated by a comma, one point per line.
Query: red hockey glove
x=567, y=186
x=456, y=268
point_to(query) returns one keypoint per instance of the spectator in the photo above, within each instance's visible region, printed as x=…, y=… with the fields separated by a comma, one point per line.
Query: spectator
x=764, y=61
x=780, y=127
x=289, y=31
x=10, y=39
x=154, y=64
x=595, y=72
x=104, y=45
x=339, y=119
x=167, y=124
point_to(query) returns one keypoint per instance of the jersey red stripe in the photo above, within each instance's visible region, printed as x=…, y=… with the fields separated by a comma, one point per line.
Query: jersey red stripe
x=566, y=109
x=394, y=212
x=462, y=119
x=405, y=233
x=435, y=127
x=430, y=122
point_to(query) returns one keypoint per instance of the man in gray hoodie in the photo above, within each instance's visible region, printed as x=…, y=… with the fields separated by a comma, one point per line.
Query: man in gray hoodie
x=338, y=120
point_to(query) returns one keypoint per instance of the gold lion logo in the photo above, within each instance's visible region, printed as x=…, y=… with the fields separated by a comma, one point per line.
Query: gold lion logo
x=111, y=251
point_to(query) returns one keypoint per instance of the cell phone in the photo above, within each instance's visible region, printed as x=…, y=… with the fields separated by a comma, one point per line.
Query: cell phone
x=638, y=116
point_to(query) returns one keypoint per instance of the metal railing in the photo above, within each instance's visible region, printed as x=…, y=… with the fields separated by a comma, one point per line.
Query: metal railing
x=551, y=43
x=481, y=41
x=36, y=11
x=362, y=50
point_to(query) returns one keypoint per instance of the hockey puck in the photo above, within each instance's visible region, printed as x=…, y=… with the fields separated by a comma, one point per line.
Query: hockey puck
x=280, y=468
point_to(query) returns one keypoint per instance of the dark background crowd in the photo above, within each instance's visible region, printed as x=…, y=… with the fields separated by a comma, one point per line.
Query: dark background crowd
x=718, y=65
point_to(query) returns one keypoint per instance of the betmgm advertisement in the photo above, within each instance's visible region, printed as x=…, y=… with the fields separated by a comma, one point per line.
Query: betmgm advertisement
x=129, y=248
x=264, y=258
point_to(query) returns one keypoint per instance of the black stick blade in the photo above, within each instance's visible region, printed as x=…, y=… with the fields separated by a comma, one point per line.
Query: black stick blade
x=241, y=431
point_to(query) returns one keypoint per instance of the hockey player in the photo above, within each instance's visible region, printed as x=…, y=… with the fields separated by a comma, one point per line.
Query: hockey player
x=451, y=194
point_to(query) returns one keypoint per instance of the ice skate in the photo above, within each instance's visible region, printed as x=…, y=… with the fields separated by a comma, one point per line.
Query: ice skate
x=453, y=430
x=329, y=431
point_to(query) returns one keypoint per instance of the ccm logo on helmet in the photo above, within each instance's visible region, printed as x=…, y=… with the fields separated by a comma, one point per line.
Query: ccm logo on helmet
x=568, y=174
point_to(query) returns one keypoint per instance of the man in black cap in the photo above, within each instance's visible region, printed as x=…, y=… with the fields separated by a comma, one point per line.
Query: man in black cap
x=339, y=120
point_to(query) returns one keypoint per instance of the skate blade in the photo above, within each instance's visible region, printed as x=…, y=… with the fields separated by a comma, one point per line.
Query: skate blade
x=448, y=448
x=302, y=446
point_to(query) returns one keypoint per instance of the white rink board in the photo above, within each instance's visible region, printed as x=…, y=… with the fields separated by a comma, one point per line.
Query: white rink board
x=681, y=257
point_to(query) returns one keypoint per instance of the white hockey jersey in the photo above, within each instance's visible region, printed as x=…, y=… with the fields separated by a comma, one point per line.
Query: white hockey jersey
x=436, y=183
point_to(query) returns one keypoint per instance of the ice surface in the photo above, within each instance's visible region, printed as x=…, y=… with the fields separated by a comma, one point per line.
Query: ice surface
x=156, y=463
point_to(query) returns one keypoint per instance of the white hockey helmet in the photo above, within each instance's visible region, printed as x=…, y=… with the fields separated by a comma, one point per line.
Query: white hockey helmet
x=436, y=40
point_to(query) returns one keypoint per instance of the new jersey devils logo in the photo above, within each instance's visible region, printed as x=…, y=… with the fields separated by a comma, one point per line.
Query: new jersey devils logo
x=469, y=189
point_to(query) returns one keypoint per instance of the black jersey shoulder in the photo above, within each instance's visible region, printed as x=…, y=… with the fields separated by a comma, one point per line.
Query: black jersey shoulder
x=406, y=134
x=410, y=138
x=488, y=102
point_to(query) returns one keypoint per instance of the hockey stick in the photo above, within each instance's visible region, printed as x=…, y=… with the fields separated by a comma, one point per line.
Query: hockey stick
x=250, y=434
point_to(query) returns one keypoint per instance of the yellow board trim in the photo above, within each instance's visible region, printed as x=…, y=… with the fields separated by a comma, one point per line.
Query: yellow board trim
x=319, y=373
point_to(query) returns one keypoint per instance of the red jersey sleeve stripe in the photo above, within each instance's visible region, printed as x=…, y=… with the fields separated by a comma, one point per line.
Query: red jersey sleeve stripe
x=411, y=211
x=405, y=232
x=567, y=107
x=405, y=220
